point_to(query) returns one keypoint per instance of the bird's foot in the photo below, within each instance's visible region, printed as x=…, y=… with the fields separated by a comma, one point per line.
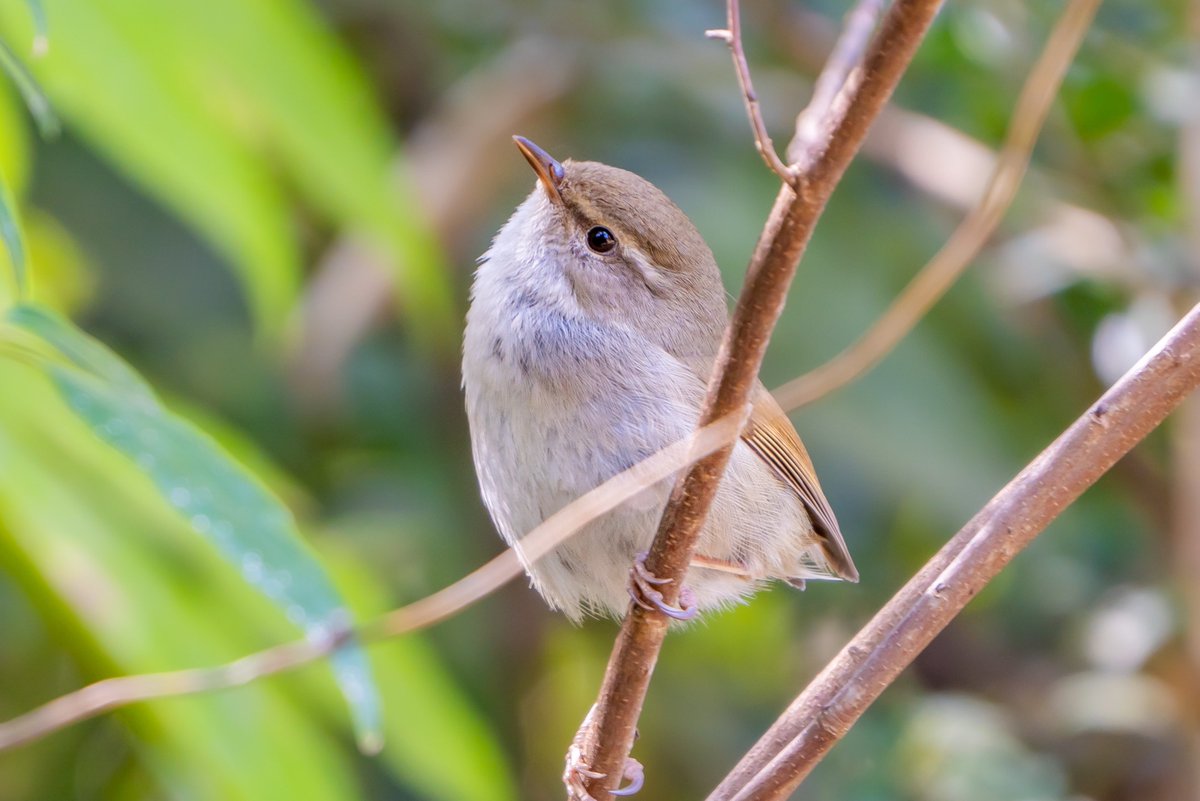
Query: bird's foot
x=643, y=589
x=578, y=772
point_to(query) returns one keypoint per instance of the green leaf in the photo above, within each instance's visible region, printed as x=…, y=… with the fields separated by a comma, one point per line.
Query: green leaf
x=296, y=88
x=293, y=86
x=14, y=243
x=14, y=175
x=122, y=586
x=35, y=100
x=41, y=28
x=220, y=499
x=441, y=746
x=84, y=352
x=223, y=105
x=124, y=103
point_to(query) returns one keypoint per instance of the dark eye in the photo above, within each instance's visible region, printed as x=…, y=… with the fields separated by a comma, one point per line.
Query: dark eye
x=601, y=240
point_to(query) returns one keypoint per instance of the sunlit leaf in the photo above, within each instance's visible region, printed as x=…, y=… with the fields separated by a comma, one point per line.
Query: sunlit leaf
x=61, y=276
x=439, y=743
x=219, y=101
x=312, y=103
x=14, y=244
x=127, y=107
x=41, y=28
x=220, y=499
x=35, y=100
x=271, y=71
x=14, y=175
x=14, y=142
x=125, y=590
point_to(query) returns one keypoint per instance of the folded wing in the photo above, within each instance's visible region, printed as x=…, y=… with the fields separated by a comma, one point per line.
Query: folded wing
x=773, y=438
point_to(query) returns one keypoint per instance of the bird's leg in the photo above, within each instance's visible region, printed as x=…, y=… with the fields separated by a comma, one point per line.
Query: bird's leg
x=577, y=771
x=737, y=569
x=643, y=589
x=721, y=565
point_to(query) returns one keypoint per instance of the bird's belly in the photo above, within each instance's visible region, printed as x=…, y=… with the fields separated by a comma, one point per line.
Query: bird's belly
x=534, y=458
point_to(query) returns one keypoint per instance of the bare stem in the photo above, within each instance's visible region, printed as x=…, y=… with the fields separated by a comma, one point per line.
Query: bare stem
x=768, y=278
x=109, y=694
x=936, y=277
x=845, y=57
x=762, y=140
x=822, y=714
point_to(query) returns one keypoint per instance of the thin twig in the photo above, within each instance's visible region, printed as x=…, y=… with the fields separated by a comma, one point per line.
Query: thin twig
x=768, y=277
x=822, y=714
x=936, y=277
x=762, y=140
x=844, y=59
x=563, y=524
x=109, y=694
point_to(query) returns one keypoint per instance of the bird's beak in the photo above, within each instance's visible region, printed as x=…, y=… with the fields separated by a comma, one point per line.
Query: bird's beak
x=548, y=170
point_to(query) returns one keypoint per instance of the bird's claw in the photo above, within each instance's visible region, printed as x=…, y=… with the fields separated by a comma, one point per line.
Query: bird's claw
x=643, y=590
x=577, y=774
x=634, y=774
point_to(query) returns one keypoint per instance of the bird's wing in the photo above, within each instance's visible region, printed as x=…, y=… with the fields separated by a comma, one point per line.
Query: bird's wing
x=773, y=438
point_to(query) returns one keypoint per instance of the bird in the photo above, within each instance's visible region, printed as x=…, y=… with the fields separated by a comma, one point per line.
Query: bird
x=595, y=319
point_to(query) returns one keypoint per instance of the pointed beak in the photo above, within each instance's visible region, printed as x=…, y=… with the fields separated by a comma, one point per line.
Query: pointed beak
x=548, y=170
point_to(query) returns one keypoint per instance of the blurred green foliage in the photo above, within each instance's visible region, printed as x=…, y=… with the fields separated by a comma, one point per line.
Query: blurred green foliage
x=230, y=172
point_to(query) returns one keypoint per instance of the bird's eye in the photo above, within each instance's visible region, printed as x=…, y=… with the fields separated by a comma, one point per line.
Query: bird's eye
x=601, y=240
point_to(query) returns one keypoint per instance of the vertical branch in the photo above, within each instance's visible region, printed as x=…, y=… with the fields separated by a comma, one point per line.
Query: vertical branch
x=768, y=277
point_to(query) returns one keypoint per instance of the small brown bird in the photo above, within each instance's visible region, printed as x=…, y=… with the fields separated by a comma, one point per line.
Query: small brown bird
x=595, y=319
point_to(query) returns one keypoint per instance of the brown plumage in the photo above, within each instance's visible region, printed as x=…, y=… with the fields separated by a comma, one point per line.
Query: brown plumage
x=595, y=320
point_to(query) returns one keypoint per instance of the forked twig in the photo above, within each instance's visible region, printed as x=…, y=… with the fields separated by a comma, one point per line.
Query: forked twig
x=936, y=277
x=732, y=36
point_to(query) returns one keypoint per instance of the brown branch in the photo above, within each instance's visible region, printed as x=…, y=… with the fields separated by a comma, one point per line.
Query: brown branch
x=109, y=694
x=936, y=277
x=818, y=718
x=768, y=277
x=845, y=57
x=732, y=36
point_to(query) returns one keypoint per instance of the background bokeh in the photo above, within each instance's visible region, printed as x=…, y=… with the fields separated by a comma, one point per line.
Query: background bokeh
x=271, y=209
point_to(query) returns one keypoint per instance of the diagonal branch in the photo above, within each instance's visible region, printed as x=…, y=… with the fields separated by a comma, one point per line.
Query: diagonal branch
x=768, y=277
x=936, y=277
x=114, y=693
x=818, y=718
x=834, y=78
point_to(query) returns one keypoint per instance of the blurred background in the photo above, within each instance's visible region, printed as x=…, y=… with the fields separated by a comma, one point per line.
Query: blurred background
x=271, y=209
